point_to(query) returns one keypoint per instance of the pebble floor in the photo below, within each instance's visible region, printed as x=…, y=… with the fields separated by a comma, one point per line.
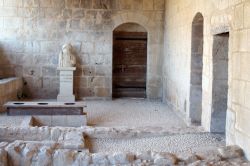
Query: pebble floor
x=131, y=113
x=178, y=144
x=139, y=113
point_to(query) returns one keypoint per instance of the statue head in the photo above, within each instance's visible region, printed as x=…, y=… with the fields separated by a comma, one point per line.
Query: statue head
x=66, y=57
x=67, y=48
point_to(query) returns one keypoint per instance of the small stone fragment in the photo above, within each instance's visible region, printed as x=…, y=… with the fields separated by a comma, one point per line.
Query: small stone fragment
x=55, y=134
x=165, y=159
x=192, y=159
x=64, y=157
x=83, y=159
x=231, y=152
x=121, y=158
x=144, y=156
x=100, y=159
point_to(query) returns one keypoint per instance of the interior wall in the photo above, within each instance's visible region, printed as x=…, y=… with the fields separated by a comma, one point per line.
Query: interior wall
x=219, y=17
x=32, y=33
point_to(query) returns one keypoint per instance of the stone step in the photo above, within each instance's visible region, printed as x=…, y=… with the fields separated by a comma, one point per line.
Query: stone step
x=130, y=92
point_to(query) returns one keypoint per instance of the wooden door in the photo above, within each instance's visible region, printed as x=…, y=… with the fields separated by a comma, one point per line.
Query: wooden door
x=129, y=64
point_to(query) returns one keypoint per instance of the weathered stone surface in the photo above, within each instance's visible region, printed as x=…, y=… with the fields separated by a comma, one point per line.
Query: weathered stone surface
x=11, y=89
x=55, y=134
x=211, y=155
x=72, y=139
x=231, y=152
x=100, y=159
x=54, y=153
x=64, y=157
x=144, y=156
x=192, y=159
x=3, y=157
x=83, y=159
x=44, y=156
x=121, y=158
x=3, y=145
x=20, y=154
x=165, y=159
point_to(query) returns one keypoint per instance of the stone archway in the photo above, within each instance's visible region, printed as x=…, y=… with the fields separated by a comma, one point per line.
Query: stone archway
x=129, y=61
x=195, y=108
x=154, y=49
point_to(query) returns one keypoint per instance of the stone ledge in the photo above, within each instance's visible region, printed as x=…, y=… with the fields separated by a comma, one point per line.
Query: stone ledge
x=45, y=133
x=44, y=108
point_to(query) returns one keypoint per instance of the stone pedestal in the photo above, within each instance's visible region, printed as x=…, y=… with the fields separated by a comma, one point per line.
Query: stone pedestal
x=66, y=84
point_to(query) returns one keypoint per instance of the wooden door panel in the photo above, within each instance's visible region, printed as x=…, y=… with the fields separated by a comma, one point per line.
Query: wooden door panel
x=130, y=63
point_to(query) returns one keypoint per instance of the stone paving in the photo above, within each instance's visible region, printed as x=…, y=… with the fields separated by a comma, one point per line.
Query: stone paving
x=132, y=113
x=158, y=128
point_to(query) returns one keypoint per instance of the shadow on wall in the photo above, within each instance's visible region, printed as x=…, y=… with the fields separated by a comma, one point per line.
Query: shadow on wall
x=7, y=64
x=79, y=81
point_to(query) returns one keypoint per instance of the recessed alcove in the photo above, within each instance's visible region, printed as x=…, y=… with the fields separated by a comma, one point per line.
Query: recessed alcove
x=195, y=109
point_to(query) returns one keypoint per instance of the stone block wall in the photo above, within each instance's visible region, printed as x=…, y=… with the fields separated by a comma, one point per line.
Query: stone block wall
x=33, y=31
x=10, y=89
x=231, y=16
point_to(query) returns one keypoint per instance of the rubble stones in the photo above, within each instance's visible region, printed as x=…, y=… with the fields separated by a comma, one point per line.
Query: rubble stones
x=24, y=154
x=231, y=152
x=121, y=158
x=100, y=159
x=66, y=146
x=64, y=157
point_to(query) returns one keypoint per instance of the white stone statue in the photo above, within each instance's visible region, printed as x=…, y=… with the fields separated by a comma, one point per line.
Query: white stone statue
x=66, y=57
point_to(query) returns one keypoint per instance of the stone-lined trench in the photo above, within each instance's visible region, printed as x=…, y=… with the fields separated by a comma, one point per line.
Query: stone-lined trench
x=67, y=146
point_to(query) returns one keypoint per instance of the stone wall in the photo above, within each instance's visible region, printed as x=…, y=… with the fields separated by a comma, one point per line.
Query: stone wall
x=11, y=90
x=219, y=16
x=33, y=31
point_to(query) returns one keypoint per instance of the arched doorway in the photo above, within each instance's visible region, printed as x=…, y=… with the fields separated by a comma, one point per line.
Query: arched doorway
x=195, y=109
x=129, y=61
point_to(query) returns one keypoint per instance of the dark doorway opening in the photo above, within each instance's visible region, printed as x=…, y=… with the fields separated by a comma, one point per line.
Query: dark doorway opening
x=195, y=109
x=220, y=82
x=129, y=63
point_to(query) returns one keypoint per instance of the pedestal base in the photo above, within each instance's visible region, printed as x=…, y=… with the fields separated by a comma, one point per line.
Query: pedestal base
x=66, y=85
